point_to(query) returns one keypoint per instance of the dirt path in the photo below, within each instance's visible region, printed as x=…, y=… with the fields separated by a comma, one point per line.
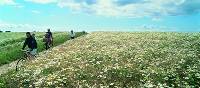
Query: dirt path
x=5, y=68
x=12, y=66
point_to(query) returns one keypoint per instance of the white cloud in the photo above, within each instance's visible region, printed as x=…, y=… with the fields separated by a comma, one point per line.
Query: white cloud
x=156, y=19
x=35, y=11
x=5, y=26
x=42, y=1
x=133, y=8
x=11, y=2
x=7, y=2
x=128, y=8
x=19, y=6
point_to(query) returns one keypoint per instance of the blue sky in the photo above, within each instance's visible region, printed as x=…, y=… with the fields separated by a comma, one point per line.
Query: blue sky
x=100, y=15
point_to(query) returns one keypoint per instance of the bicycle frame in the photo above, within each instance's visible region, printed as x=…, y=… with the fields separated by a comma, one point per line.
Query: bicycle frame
x=26, y=56
x=48, y=43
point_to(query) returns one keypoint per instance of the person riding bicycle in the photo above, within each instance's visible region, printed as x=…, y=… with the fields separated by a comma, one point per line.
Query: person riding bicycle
x=32, y=44
x=72, y=34
x=50, y=36
x=47, y=41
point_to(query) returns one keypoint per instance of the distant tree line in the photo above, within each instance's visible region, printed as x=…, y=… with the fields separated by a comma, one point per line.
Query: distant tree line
x=5, y=31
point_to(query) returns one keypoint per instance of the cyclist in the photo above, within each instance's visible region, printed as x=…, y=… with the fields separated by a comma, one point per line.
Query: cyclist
x=32, y=44
x=47, y=41
x=33, y=35
x=72, y=34
x=50, y=36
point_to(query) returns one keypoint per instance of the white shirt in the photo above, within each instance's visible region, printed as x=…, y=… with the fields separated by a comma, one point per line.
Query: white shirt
x=72, y=34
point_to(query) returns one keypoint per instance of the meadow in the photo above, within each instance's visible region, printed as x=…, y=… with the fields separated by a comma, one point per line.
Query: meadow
x=115, y=59
x=11, y=43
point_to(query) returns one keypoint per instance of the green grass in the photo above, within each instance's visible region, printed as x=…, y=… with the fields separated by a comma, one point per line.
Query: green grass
x=13, y=42
x=115, y=59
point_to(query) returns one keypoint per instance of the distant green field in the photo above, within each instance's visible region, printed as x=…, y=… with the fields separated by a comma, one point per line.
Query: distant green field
x=10, y=37
x=6, y=36
x=11, y=43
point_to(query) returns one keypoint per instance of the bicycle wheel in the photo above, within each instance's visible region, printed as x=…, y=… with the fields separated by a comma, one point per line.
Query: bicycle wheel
x=20, y=64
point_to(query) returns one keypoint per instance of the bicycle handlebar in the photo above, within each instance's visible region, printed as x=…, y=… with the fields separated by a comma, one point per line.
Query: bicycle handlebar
x=25, y=50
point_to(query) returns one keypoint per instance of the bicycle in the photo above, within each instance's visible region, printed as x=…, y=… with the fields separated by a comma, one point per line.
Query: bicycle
x=22, y=60
x=48, y=43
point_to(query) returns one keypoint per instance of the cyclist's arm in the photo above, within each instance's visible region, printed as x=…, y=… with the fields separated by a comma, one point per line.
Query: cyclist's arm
x=25, y=43
x=34, y=44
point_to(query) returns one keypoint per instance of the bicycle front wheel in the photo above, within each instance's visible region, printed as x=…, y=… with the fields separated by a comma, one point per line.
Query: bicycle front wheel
x=20, y=63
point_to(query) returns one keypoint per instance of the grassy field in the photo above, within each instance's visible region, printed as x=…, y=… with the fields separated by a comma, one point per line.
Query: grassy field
x=11, y=43
x=115, y=59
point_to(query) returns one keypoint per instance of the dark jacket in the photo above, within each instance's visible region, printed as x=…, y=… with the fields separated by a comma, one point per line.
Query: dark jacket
x=31, y=42
x=49, y=34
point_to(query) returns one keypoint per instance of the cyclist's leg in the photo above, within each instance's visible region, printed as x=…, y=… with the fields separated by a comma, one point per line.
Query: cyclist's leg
x=33, y=53
x=51, y=42
x=47, y=45
x=29, y=54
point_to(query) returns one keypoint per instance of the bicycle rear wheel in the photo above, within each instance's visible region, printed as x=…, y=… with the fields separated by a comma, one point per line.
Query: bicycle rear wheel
x=20, y=63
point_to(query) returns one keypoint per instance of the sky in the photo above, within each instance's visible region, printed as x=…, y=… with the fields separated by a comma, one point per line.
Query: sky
x=100, y=15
